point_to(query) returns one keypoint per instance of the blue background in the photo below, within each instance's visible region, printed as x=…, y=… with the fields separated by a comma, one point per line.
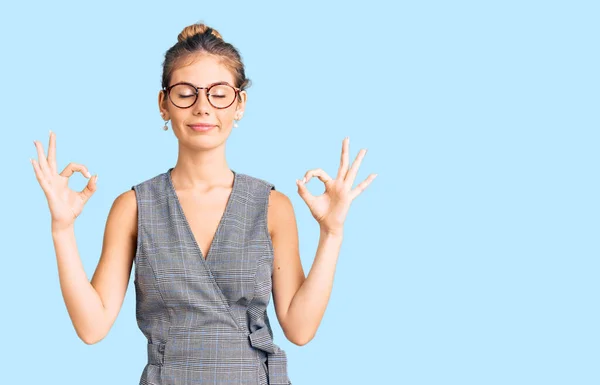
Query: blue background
x=471, y=259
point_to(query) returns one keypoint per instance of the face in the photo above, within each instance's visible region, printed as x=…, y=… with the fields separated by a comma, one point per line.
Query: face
x=204, y=70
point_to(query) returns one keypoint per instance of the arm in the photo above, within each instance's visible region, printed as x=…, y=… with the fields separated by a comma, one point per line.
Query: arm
x=299, y=302
x=93, y=306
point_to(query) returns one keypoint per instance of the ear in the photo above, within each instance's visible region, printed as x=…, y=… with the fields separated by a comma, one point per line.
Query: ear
x=242, y=103
x=162, y=105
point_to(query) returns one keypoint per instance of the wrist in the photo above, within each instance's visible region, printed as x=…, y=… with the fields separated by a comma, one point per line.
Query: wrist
x=58, y=228
x=334, y=233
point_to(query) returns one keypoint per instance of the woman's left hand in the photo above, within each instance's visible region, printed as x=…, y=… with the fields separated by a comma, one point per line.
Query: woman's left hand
x=331, y=207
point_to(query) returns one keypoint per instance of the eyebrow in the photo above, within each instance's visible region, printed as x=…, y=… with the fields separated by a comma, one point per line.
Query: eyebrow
x=208, y=85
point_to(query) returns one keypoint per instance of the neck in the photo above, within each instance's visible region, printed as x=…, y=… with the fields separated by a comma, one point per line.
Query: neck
x=203, y=176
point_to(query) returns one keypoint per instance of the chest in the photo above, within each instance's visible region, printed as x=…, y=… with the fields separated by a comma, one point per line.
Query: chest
x=204, y=213
x=203, y=249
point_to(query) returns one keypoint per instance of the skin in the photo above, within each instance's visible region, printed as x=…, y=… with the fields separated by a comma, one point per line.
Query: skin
x=203, y=182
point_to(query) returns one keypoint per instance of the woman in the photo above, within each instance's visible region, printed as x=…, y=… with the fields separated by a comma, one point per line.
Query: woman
x=209, y=244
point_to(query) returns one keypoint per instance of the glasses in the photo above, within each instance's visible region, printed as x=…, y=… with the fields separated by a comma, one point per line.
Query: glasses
x=184, y=95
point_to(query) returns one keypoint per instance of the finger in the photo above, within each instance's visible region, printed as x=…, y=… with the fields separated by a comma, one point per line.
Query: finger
x=351, y=175
x=318, y=172
x=39, y=174
x=304, y=193
x=343, y=170
x=42, y=161
x=362, y=186
x=89, y=189
x=52, y=152
x=72, y=167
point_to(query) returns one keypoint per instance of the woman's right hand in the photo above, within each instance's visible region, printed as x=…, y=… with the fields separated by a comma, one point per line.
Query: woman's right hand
x=65, y=204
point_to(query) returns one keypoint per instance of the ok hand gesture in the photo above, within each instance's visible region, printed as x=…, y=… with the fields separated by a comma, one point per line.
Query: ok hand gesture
x=65, y=204
x=331, y=207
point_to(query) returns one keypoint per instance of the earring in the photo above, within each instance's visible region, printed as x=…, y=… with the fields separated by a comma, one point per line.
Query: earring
x=237, y=118
x=165, y=126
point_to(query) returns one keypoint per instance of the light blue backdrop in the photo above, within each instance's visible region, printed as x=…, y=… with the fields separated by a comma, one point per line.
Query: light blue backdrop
x=471, y=259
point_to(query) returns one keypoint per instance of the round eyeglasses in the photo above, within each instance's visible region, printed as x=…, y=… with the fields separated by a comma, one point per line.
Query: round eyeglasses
x=184, y=95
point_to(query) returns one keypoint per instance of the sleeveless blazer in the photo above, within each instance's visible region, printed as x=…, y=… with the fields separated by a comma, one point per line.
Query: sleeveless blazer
x=206, y=319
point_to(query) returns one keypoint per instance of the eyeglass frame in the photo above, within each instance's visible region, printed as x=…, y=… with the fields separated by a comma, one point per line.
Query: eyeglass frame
x=167, y=90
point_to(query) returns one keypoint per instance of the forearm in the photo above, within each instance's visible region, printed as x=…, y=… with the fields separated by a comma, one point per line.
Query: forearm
x=83, y=303
x=309, y=303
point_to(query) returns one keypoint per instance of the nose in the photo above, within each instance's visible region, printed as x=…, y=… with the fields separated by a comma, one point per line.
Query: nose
x=202, y=104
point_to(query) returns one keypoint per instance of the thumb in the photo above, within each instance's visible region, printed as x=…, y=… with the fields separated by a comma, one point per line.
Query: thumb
x=89, y=189
x=304, y=193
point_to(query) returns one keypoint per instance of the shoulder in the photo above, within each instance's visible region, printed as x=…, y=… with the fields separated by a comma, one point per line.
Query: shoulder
x=255, y=182
x=276, y=198
x=126, y=200
x=157, y=182
x=280, y=211
x=124, y=211
x=279, y=200
x=125, y=205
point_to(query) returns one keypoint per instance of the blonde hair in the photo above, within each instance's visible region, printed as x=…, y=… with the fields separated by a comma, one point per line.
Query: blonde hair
x=197, y=39
x=197, y=29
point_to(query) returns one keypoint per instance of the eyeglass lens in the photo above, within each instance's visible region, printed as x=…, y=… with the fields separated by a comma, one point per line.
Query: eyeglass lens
x=219, y=95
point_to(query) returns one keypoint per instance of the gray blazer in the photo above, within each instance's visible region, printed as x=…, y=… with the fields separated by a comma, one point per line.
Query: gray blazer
x=206, y=319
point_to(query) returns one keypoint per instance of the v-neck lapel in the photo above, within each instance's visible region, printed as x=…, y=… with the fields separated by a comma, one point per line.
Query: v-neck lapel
x=205, y=263
x=187, y=224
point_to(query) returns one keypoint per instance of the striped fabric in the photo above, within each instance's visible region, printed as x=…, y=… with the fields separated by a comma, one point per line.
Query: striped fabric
x=206, y=319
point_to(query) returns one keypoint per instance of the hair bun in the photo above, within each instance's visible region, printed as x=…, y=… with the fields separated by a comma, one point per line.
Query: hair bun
x=197, y=29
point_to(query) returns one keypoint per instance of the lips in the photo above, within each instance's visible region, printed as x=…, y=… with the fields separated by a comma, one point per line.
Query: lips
x=201, y=127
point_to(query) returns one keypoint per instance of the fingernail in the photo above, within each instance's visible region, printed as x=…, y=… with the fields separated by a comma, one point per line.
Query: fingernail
x=50, y=132
x=304, y=180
